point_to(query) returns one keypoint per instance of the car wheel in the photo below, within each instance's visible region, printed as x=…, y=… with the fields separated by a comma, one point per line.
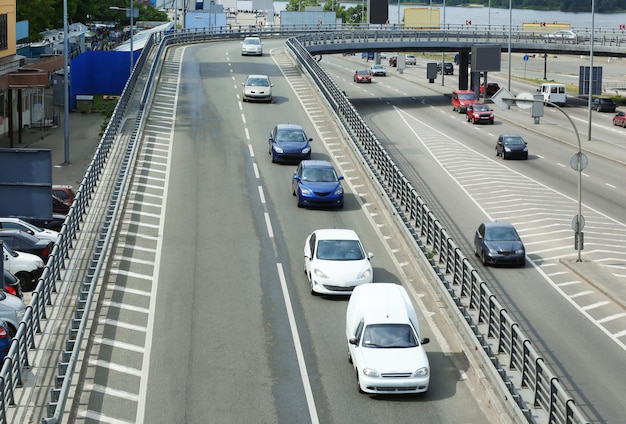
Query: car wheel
x=298, y=200
x=483, y=259
x=623, y=124
x=503, y=155
x=349, y=357
x=358, y=382
x=26, y=281
x=497, y=153
x=526, y=156
x=12, y=331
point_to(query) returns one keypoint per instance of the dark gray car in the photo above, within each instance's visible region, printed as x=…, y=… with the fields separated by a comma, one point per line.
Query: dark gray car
x=497, y=243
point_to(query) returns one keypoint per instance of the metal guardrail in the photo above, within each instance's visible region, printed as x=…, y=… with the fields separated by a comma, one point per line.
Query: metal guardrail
x=502, y=339
x=534, y=388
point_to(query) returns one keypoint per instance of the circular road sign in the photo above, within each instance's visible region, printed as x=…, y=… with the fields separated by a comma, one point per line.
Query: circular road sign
x=577, y=225
x=579, y=165
x=525, y=57
x=524, y=100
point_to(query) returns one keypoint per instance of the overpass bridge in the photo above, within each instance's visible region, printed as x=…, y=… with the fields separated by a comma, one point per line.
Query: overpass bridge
x=607, y=44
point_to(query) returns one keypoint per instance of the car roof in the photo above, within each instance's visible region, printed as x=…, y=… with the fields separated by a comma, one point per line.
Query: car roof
x=464, y=91
x=258, y=76
x=288, y=127
x=316, y=164
x=19, y=233
x=498, y=224
x=336, y=234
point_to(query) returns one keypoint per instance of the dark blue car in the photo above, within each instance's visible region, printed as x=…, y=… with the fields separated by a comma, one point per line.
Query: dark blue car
x=5, y=340
x=316, y=184
x=289, y=143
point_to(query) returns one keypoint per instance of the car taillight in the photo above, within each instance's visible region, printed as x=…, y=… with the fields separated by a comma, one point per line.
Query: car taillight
x=47, y=250
x=10, y=290
x=3, y=333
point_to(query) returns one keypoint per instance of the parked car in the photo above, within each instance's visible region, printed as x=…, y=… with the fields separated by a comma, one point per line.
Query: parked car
x=11, y=285
x=5, y=339
x=335, y=261
x=26, y=267
x=498, y=243
x=64, y=192
x=24, y=242
x=60, y=206
x=410, y=59
x=378, y=71
x=393, y=61
x=492, y=88
x=479, y=113
x=446, y=67
x=461, y=99
x=257, y=88
x=315, y=183
x=19, y=224
x=604, y=104
x=362, y=75
x=511, y=146
x=54, y=223
x=12, y=310
x=384, y=345
x=252, y=46
x=289, y=143
x=620, y=119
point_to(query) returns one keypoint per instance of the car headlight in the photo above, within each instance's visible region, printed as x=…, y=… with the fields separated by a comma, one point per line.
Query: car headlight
x=365, y=274
x=422, y=372
x=319, y=273
x=507, y=149
x=519, y=252
x=39, y=263
x=339, y=191
x=305, y=190
x=306, y=150
x=20, y=314
x=277, y=149
x=525, y=149
x=370, y=372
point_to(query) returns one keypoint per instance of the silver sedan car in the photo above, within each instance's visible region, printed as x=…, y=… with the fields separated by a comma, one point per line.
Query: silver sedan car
x=252, y=46
x=257, y=88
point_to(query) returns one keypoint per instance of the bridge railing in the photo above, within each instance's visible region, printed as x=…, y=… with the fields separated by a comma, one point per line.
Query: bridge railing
x=511, y=356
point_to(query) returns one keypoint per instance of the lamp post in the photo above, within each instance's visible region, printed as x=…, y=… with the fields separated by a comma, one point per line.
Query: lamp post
x=589, y=100
x=131, y=13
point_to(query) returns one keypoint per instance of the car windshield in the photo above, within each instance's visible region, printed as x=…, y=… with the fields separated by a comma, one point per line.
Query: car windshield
x=258, y=82
x=513, y=141
x=481, y=108
x=501, y=234
x=389, y=336
x=319, y=175
x=467, y=96
x=252, y=41
x=340, y=250
x=291, y=135
x=10, y=251
x=362, y=72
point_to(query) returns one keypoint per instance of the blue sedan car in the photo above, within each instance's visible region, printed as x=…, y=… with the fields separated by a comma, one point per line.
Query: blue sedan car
x=289, y=143
x=5, y=339
x=316, y=184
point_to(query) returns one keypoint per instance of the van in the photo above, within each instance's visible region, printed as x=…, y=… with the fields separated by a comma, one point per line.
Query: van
x=25, y=266
x=384, y=344
x=554, y=93
x=461, y=99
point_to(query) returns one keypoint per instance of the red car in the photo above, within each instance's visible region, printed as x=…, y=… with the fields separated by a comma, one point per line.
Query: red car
x=620, y=119
x=362, y=75
x=479, y=113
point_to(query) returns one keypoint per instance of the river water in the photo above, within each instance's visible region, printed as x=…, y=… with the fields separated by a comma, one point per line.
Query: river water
x=484, y=16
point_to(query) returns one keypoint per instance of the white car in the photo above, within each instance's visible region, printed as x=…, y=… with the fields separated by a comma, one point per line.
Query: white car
x=564, y=34
x=378, y=70
x=257, y=88
x=27, y=227
x=410, y=59
x=384, y=344
x=252, y=46
x=335, y=262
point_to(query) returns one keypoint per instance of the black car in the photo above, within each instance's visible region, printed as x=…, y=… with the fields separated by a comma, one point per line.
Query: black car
x=511, y=146
x=24, y=242
x=10, y=284
x=604, y=104
x=448, y=68
x=55, y=223
x=497, y=243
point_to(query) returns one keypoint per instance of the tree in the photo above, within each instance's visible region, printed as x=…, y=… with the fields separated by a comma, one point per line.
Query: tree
x=300, y=5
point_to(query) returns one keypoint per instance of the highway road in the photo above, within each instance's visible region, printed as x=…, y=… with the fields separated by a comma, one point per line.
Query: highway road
x=207, y=315
x=453, y=165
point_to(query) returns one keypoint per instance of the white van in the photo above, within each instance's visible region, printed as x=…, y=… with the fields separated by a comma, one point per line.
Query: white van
x=25, y=266
x=554, y=93
x=384, y=344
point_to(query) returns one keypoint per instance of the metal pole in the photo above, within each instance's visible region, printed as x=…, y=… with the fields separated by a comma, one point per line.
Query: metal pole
x=443, y=55
x=591, y=76
x=132, y=34
x=489, y=17
x=509, y=43
x=66, y=86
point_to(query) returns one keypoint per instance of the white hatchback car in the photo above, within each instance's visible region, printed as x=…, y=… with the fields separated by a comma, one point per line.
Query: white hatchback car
x=252, y=46
x=257, y=88
x=335, y=262
x=33, y=230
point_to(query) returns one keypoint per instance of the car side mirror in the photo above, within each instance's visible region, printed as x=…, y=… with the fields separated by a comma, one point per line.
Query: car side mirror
x=296, y=177
x=310, y=140
x=370, y=255
x=340, y=177
x=425, y=340
x=243, y=83
x=353, y=341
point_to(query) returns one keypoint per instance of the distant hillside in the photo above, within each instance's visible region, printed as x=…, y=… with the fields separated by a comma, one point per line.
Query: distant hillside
x=602, y=6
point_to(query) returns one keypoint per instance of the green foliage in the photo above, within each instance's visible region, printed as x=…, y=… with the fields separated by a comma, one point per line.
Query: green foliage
x=48, y=14
x=300, y=5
